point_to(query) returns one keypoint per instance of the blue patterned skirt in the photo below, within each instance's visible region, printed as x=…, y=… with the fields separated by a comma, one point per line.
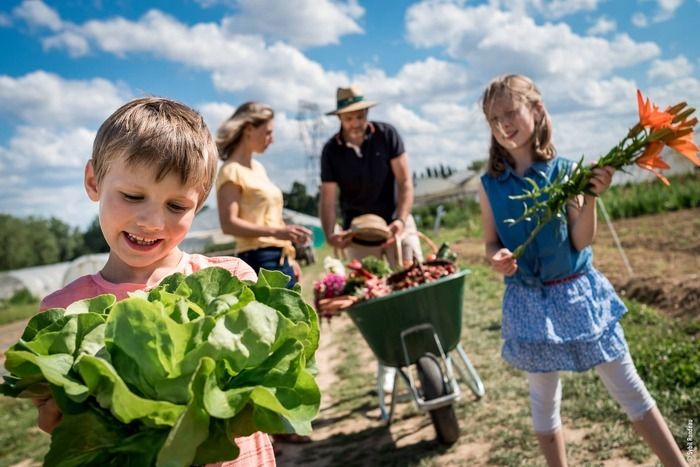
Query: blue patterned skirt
x=569, y=326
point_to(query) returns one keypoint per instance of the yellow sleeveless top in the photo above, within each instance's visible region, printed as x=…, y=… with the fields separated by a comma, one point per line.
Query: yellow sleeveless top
x=261, y=204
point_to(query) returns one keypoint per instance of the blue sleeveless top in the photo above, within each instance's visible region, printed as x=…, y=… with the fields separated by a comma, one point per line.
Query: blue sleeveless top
x=551, y=255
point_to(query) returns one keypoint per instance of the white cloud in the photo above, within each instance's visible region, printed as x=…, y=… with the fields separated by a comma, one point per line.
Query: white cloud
x=602, y=26
x=301, y=23
x=560, y=8
x=666, y=10
x=38, y=14
x=44, y=157
x=670, y=92
x=547, y=8
x=408, y=121
x=42, y=174
x=670, y=70
x=45, y=99
x=215, y=113
x=76, y=44
x=433, y=102
x=39, y=149
x=640, y=20
x=236, y=62
x=478, y=34
x=416, y=83
x=69, y=202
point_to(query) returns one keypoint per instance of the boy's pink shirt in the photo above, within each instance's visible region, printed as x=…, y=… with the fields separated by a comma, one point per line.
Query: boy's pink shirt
x=256, y=449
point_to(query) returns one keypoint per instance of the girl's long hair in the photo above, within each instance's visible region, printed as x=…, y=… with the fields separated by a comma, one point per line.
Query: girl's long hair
x=523, y=89
x=229, y=134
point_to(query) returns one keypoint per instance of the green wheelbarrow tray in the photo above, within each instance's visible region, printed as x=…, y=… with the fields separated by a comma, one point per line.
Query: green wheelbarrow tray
x=382, y=320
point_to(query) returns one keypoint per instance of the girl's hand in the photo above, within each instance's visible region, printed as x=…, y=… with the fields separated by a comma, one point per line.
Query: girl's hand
x=601, y=179
x=49, y=414
x=504, y=263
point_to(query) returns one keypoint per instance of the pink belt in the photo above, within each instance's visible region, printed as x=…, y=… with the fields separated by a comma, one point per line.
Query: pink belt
x=563, y=279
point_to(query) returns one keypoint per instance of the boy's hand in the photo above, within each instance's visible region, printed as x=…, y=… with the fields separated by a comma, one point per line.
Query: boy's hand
x=504, y=263
x=297, y=270
x=49, y=414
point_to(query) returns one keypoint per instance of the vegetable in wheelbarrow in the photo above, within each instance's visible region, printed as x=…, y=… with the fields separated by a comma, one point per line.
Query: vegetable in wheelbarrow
x=168, y=377
x=368, y=279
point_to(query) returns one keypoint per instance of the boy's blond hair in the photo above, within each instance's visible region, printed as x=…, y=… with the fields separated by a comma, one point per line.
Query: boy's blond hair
x=523, y=89
x=161, y=134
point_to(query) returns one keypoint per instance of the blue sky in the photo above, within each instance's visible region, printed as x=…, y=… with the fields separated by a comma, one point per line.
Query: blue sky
x=65, y=66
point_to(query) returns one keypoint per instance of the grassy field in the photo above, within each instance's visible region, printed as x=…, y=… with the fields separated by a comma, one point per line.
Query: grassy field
x=665, y=350
x=11, y=313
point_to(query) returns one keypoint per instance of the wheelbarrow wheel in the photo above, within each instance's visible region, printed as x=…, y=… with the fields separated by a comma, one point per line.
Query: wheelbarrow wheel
x=434, y=386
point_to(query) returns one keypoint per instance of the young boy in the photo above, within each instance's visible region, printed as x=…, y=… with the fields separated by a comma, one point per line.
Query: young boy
x=153, y=164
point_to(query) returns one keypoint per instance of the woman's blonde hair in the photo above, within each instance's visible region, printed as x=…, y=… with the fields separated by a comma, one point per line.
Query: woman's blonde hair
x=160, y=134
x=524, y=90
x=230, y=132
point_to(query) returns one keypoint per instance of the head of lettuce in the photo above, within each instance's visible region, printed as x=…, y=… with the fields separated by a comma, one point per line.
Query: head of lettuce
x=168, y=377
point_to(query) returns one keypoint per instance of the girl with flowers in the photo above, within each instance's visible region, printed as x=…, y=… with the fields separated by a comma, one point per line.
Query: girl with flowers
x=559, y=312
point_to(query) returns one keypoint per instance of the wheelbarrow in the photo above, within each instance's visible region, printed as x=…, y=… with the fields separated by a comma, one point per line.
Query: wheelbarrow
x=417, y=330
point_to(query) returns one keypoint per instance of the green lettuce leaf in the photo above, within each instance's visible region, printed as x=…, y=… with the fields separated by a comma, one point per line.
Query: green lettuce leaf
x=170, y=376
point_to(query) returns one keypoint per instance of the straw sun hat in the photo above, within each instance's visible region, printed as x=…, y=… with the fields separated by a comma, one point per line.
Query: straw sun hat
x=369, y=229
x=349, y=100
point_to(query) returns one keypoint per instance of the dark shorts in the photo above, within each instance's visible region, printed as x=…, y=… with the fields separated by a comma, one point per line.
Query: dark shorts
x=269, y=258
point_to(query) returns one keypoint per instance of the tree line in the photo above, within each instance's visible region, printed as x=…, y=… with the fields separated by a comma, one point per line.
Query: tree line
x=35, y=241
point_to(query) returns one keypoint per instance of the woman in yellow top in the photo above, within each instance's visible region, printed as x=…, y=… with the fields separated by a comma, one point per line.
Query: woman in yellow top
x=250, y=205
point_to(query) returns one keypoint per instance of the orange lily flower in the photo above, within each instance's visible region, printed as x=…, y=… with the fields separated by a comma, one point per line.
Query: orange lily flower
x=686, y=146
x=651, y=160
x=650, y=115
x=651, y=157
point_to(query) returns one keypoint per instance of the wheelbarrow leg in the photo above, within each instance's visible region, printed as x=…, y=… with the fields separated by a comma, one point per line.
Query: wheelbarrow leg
x=472, y=379
x=386, y=417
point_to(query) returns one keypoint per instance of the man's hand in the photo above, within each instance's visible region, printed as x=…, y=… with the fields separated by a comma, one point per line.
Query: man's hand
x=49, y=414
x=397, y=227
x=340, y=239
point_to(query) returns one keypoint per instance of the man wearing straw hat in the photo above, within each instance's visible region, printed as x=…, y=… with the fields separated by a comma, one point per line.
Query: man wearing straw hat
x=366, y=165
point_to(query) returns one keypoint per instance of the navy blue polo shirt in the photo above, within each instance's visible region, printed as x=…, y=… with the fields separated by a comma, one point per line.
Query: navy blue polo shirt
x=366, y=181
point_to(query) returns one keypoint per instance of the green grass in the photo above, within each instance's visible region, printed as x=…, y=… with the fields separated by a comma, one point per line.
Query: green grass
x=653, y=197
x=666, y=352
x=11, y=313
x=19, y=437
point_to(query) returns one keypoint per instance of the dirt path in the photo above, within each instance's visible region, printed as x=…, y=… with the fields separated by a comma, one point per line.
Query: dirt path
x=9, y=334
x=342, y=433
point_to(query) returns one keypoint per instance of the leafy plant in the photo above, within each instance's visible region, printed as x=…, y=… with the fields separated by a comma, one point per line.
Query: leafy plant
x=168, y=377
x=376, y=266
